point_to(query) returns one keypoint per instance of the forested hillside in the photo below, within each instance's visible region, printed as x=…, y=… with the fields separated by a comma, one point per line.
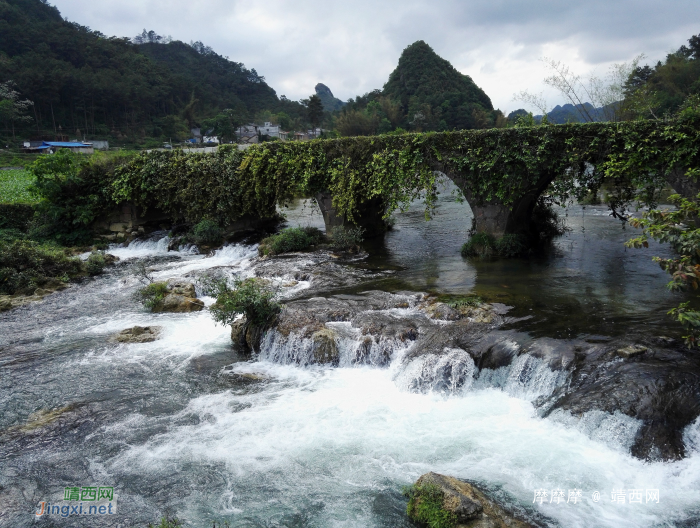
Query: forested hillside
x=84, y=83
x=654, y=92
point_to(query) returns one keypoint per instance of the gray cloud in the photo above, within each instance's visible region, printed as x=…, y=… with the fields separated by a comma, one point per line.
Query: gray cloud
x=353, y=46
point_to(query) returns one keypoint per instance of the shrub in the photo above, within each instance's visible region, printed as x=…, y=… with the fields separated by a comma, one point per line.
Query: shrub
x=511, y=245
x=207, y=232
x=250, y=297
x=471, y=301
x=425, y=506
x=95, y=263
x=345, y=238
x=290, y=239
x=25, y=264
x=479, y=245
x=74, y=192
x=152, y=294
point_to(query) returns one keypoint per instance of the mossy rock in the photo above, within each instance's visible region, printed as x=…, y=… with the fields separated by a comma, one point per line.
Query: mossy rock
x=441, y=501
x=325, y=347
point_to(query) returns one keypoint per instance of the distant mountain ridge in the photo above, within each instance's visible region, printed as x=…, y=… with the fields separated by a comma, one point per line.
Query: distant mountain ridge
x=569, y=113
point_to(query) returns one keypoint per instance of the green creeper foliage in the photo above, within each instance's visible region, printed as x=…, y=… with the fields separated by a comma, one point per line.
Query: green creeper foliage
x=193, y=187
x=250, y=297
x=425, y=506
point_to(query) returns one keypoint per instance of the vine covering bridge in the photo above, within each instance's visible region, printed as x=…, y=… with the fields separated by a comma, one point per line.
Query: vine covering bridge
x=500, y=172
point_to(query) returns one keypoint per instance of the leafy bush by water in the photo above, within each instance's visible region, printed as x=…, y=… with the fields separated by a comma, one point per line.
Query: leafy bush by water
x=26, y=265
x=207, y=232
x=425, y=506
x=251, y=297
x=479, y=245
x=290, y=239
x=546, y=221
x=152, y=294
x=95, y=263
x=74, y=192
x=346, y=238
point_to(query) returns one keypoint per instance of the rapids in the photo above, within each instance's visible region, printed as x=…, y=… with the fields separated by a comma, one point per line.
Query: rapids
x=184, y=426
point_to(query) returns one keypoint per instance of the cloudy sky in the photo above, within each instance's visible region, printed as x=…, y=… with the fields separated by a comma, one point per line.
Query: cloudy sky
x=352, y=46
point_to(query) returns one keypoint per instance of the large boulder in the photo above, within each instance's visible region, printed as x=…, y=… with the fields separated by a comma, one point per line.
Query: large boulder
x=181, y=297
x=468, y=506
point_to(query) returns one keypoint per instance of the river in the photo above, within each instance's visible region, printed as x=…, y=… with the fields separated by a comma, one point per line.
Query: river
x=183, y=426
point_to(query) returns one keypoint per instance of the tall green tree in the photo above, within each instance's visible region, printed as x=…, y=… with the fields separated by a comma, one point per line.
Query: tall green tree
x=224, y=125
x=314, y=111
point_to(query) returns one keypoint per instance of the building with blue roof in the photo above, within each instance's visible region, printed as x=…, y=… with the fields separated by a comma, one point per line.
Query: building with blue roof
x=50, y=147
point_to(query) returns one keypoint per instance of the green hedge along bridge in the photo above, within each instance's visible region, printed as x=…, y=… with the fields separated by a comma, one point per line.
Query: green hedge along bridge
x=362, y=180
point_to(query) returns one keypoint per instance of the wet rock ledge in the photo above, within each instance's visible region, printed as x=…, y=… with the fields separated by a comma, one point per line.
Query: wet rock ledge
x=638, y=396
x=440, y=496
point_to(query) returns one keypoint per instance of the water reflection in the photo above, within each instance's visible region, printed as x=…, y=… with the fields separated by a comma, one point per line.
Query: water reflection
x=586, y=283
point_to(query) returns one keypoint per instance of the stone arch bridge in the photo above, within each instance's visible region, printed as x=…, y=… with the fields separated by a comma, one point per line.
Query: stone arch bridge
x=500, y=172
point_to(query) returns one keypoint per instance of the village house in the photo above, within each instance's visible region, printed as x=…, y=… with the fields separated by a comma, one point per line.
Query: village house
x=52, y=146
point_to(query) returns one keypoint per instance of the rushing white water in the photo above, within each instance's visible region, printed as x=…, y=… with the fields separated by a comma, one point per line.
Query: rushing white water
x=329, y=434
x=277, y=441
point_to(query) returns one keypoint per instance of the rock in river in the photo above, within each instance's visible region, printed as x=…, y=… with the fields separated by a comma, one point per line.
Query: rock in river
x=181, y=297
x=470, y=506
x=138, y=334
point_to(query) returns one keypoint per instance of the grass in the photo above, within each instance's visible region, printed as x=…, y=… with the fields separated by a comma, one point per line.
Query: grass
x=472, y=301
x=425, y=506
x=14, y=187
